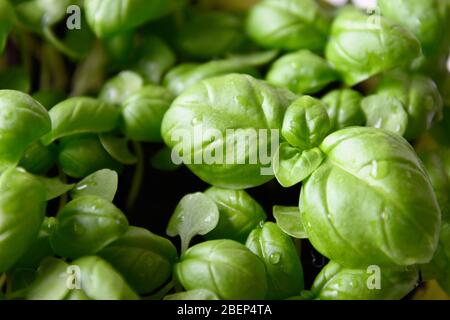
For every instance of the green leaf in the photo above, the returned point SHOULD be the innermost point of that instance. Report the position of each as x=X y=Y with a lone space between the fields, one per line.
x=209 y=34
x=239 y=214
x=143 y=111
x=302 y=72
x=283 y=24
x=86 y=225
x=362 y=46
x=197 y=294
x=195 y=214
x=39 y=159
x=22 y=205
x=336 y=282
x=120 y=87
x=55 y=187
x=225 y=267
x=109 y=17
x=292 y=165
x=23 y=121
x=117 y=148
x=306 y=123
x=51 y=282
x=155 y=59
x=344 y=108
x=100 y=281
x=40 y=248
x=81 y=115
x=385 y=112
x=283 y=267
x=186 y=75
x=144 y=259
x=102 y=183
x=289 y=220
x=81 y=155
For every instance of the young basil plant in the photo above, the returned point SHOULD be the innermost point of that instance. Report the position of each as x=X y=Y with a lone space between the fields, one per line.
x=344 y=108
x=282 y=24
x=81 y=115
x=289 y=220
x=224 y=267
x=361 y=46
x=305 y=125
x=86 y=225
x=215 y=105
x=102 y=183
x=20 y=220
x=144 y=259
x=210 y=34
x=283 y=267
x=143 y=111
x=186 y=75
x=23 y=121
x=302 y=72
x=336 y=282
x=195 y=214
x=239 y=214
x=373 y=178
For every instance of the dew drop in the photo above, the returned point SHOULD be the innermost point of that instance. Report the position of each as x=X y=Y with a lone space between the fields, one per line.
x=274 y=258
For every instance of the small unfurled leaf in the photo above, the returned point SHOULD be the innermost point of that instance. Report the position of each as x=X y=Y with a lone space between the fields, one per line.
x=385 y=112
x=289 y=220
x=306 y=123
x=197 y=294
x=196 y=214
x=102 y=183
x=292 y=165
x=117 y=148
x=55 y=187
